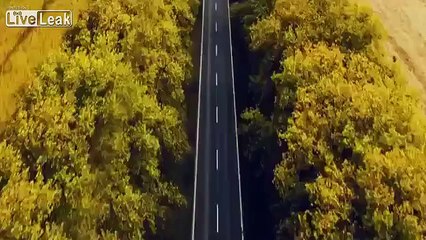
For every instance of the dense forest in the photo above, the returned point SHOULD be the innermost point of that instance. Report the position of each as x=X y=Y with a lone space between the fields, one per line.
x=332 y=138
x=83 y=156
x=330 y=123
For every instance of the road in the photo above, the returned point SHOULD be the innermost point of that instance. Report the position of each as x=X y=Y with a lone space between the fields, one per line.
x=217 y=207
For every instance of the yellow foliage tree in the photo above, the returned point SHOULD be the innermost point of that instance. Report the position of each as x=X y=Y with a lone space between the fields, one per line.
x=82 y=156
x=352 y=133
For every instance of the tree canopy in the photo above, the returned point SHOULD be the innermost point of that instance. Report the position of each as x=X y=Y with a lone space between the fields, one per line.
x=350 y=130
x=82 y=157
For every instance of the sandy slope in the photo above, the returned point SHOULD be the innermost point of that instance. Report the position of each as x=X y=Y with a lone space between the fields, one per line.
x=405 y=21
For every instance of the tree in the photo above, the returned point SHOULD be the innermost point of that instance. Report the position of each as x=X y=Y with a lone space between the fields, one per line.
x=350 y=126
x=354 y=132
x=82 y=157
x=294 y=23
x=25 y=205
x=258 y=138
x=153 y=35
x=91 y=131
x=251 y=11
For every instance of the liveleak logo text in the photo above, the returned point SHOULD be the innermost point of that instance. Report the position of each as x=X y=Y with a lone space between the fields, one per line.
x=39 y=18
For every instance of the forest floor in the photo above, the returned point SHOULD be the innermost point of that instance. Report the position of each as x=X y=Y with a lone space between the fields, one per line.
x=405 y=22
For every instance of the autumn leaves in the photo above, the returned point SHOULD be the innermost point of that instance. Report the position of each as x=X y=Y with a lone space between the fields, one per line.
x=81 y=158
x=350 y=130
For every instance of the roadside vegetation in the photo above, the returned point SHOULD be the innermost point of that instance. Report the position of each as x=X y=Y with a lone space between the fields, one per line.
x=22 y=49
x=83 y=154
x=345 y=130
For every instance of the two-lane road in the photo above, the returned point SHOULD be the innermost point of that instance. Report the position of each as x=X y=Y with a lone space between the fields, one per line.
x=217 y=210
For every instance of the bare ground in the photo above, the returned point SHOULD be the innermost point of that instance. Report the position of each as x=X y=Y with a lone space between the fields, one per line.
x=405 y=22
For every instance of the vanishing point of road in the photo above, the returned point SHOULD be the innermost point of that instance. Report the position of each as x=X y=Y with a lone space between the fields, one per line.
x=217 y=207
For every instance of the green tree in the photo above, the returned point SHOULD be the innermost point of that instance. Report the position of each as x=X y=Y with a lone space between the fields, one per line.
x=258 y=136
x=251 y=11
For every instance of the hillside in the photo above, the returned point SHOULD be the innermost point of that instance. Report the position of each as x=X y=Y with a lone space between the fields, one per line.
x=405 y=23
x=21 y=49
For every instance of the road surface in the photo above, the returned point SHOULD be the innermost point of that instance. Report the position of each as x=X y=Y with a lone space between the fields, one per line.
x=217 y=210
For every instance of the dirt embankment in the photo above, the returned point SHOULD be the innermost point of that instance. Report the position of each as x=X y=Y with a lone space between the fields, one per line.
x=405 y=22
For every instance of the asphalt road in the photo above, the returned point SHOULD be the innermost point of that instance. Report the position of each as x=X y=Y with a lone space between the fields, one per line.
x=217 y=206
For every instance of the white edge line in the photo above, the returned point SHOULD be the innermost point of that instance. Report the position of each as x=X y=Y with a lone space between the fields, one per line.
x=217 y=217
x=198 y=121
x=235 y=119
